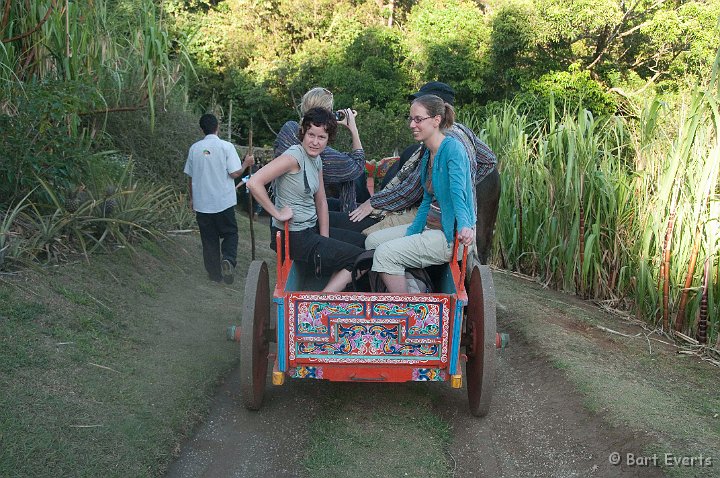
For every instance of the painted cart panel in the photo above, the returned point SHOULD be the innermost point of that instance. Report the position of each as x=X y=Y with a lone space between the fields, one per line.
x=367 y=328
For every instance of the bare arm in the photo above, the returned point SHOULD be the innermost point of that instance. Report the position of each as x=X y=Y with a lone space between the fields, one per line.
x=274 y=169
x=349 y=122
x=247 y=162
x=321 y=209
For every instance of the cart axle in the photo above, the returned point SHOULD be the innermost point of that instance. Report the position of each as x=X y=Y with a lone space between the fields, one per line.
x=233 y=333
x=502 y=340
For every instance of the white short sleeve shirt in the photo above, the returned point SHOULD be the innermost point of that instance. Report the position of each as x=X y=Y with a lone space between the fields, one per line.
x=209 y=163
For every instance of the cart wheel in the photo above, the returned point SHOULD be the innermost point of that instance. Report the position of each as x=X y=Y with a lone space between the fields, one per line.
x=481 y=329
x=254 y=342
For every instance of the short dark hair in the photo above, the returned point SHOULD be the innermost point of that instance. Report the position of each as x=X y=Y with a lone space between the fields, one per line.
x=209 y=123
x=319 y=117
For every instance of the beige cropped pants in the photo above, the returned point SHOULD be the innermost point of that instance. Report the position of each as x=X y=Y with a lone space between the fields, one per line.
x=394 y=251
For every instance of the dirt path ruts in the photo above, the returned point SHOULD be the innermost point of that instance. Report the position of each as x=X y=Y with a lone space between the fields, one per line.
x=537 y=426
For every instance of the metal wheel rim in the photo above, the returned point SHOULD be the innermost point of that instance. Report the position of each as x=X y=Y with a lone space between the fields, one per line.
x=254 y=345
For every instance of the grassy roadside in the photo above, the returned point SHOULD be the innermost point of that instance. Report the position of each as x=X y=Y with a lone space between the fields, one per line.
x=634 y=380
x=106 y=366
x=401 y=437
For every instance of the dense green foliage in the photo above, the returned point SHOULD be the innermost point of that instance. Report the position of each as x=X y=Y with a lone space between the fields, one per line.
x=265 y=55
x=79 y=83
x=44 y=137
x=63 y=69
x=136 y=55
x=597 y=205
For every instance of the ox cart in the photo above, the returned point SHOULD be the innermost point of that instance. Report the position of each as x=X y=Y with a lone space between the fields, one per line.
x=366 y=336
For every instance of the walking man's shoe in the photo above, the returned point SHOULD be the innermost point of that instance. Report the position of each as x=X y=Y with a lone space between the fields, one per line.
x=228 y=271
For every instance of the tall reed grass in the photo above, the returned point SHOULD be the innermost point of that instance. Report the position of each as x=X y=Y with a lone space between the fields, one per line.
x=83 y=41
x=109 y=216
x=624 y=210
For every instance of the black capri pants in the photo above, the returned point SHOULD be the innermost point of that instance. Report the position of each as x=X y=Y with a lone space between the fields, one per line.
x=325 y=255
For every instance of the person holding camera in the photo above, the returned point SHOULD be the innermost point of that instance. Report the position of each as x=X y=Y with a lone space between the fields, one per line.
x=341 y=169
x=300 y=200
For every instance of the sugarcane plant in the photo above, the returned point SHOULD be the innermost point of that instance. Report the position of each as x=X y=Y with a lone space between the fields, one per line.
x=617 y=209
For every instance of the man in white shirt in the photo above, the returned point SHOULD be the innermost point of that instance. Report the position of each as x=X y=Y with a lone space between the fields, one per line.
x=212 y=164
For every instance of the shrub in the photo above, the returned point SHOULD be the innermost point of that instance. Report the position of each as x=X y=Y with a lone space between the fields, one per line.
x=158 y=153
x=569 y=89
x=44 y=137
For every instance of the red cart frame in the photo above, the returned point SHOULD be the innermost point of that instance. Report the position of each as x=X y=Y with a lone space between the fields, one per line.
x=370 y=337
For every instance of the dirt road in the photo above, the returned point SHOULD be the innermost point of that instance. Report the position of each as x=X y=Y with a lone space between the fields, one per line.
x=539 y=423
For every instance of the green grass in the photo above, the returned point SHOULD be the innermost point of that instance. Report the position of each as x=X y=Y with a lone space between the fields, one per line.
x=351 y=436
x=106 y=366
x=148 y=289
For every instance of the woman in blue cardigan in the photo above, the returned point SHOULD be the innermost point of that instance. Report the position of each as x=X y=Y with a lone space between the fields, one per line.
x=447 y=204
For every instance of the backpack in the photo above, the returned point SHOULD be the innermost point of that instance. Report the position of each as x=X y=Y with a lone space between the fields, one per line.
x=418 y=280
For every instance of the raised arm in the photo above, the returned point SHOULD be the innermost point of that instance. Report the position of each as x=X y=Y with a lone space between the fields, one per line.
x=247 y=162
x=349 y=123
x=339 y=167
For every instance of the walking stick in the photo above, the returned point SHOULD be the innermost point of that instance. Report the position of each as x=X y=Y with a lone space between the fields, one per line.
x=251 y=213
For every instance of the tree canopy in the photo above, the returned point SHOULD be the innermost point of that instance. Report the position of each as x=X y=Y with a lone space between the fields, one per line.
x=265 y=54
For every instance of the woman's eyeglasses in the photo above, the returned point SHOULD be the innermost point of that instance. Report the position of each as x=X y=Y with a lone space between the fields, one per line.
x=417 y=119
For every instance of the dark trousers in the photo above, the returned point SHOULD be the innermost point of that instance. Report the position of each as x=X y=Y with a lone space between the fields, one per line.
x=341 y=220
x=325 y=255
x=219 y=235
x=487 y=194
x=334 y=204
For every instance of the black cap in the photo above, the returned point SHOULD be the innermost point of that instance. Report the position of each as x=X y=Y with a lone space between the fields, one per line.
x=436 y=88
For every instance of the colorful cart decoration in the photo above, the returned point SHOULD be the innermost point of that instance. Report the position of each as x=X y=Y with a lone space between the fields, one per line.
x=369 y=337
x=376 y=171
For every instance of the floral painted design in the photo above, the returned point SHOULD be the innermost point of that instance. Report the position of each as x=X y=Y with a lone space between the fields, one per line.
x=306 y=372
x=368 y=340
x=429 y=375
x=423 y=319
x=313 y=317
x=345 y=328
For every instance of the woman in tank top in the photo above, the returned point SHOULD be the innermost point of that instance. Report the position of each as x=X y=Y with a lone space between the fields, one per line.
x=300 y=199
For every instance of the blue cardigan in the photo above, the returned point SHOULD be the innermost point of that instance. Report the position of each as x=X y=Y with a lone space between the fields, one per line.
x=453 y=189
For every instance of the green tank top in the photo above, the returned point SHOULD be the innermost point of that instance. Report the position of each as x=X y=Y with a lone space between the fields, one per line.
x=291 y=190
